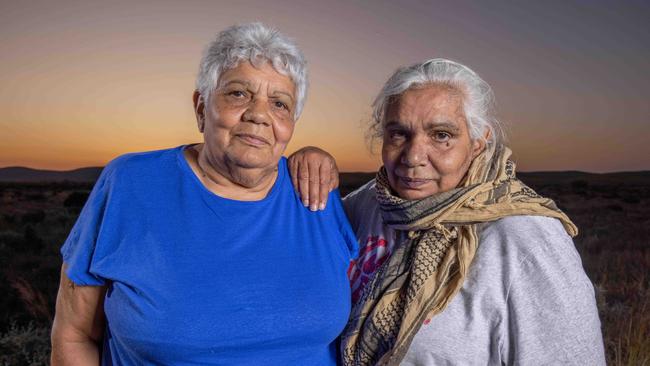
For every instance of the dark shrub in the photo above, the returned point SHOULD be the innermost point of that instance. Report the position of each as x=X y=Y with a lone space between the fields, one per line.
x=614 y=208
x=38 y=196
x=579 y=186
x=33 y=217
x=631 y=198
x=10 y=219
x=33 y=242
x=25 y=345
x=76 y=199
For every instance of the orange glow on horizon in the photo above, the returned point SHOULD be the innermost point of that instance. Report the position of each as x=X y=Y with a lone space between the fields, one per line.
x=85 y=82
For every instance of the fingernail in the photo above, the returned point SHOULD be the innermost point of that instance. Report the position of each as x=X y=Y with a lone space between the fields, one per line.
x=312 y=208
x=305 y=203
x=322 y=206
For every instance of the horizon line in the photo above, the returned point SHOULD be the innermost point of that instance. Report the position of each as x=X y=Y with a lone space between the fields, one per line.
x=348 y=172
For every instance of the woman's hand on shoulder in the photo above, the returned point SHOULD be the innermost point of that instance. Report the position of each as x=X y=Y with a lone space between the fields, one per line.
x=314 y=175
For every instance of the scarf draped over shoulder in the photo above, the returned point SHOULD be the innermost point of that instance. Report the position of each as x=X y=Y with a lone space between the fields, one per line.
x=438 y=240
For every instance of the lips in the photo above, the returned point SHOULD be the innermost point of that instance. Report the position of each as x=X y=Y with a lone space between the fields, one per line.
x=253 y=140
x=413 y=183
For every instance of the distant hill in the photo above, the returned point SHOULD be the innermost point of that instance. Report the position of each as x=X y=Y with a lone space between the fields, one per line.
x=22 y=174
x=351 y=181
x=639 y=178
x=348 y=180
x=560 y=177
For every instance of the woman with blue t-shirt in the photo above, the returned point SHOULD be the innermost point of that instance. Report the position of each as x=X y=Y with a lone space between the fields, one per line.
x=204 y=254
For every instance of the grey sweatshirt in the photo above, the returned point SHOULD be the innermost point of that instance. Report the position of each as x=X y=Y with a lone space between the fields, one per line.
x=526 y=300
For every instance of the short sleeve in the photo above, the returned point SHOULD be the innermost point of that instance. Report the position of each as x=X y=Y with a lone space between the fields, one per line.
x=343 y=224
x=552 y=316
x=78 y=251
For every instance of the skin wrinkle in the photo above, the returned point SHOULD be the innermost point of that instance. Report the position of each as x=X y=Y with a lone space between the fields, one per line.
x=247 y=123
x=250 y=87
x=427 y=147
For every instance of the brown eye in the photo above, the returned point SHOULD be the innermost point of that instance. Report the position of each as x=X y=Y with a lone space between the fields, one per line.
x=396 y=136
x=280 y=105
x=237 y=97
x=441 y=136
x=237 y=94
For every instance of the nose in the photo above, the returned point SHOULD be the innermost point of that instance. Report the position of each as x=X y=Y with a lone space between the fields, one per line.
x=414 y=154
x=257 y=112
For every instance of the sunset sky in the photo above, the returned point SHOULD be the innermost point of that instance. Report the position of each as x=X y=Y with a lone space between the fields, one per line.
x=82 y=82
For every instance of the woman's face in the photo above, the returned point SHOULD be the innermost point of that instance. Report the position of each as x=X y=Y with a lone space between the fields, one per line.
x=427 y=147
x=248 y=119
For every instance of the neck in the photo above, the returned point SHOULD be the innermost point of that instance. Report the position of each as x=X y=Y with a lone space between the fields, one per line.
x=228 y=180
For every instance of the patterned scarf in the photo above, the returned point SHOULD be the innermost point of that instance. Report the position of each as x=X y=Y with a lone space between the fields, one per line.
x=427 y=269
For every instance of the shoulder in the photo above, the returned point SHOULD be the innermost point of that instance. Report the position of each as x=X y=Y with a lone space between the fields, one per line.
x=361 y=196
x=527 y=249
x=550 y=300
x=530 y=253
x=525 y=225
x=142 y=160
x=536 y=257
x=528 y=237
x=140 y=165
x=360 y=202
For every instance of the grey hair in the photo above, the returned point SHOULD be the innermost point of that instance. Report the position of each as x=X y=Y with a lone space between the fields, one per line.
x=256 y=43
x=478 y=98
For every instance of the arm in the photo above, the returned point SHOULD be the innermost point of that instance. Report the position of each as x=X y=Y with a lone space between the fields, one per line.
x=78 y=323
x=314 y=174
x=552 y=314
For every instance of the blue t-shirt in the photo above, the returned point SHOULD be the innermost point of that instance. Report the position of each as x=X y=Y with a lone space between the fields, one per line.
x=195 y=279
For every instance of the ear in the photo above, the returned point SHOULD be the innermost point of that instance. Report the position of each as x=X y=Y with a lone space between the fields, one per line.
x=199 y=109
x=478 y=145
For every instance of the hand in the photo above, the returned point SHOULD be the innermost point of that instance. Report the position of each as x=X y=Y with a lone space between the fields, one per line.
x=314 y=175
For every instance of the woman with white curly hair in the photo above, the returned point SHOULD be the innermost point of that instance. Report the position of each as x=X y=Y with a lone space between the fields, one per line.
x=204 y=254
x=460 y=263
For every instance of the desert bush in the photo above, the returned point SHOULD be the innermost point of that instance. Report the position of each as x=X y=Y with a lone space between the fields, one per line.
x=630 y=198
x=36 y=196
x=614 y=244
x=32 y=241
x=11 y=240
x=626 y=325
x=25 y=345
x=615 y=207
x=10 y=219
x=33 y=217
x=34 y=301
x=579 y=186
x=76 y=199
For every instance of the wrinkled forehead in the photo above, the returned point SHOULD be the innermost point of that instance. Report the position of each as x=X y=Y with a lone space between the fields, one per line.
x=250 y=75
x=425 y=103
x=257 y=62
x=430 y=92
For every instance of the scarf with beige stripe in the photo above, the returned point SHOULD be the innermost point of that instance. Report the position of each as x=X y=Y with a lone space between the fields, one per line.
x=439 y=238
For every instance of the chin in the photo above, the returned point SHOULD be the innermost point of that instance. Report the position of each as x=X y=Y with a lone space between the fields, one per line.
x=248 y=162
x=414 y=193
x=411 y=194
x=252 y=158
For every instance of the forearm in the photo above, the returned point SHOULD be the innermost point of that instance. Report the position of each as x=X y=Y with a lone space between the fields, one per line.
x=73 y=352
x=79 y=324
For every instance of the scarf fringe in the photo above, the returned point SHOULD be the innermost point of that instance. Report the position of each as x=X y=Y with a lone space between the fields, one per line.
x=428 y=269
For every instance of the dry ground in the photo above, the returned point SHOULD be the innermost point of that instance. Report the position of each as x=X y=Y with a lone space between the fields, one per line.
x=612 y=212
